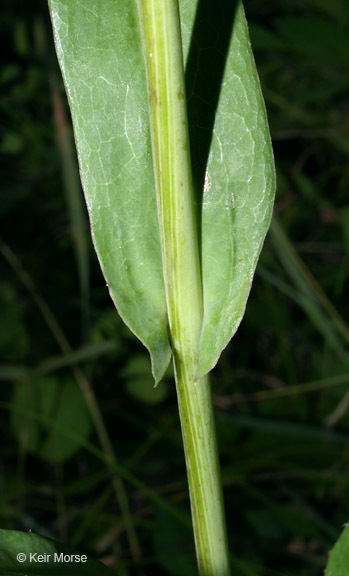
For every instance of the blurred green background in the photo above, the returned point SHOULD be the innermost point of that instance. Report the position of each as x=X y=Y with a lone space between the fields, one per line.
x=280 y=388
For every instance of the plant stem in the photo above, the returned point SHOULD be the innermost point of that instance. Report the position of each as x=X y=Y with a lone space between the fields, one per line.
x=171 y=154
x=201 y=454
x=182 y=276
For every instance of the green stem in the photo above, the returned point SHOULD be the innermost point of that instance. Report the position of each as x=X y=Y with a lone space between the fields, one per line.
x=201 y=454
x=170 y=140
x=182 y=276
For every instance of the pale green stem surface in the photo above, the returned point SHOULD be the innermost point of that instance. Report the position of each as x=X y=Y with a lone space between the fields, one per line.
x=205 y=485
x=182 y=276
x=170 y=140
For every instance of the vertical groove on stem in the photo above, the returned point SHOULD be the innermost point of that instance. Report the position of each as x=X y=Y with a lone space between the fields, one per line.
x=204 y=477
x=172 y=167
x=182 y=276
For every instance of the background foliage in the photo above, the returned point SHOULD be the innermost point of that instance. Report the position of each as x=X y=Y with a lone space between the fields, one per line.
x=280 y=387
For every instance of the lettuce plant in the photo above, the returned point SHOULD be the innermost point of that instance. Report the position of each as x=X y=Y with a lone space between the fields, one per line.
x=179 y=182
x=179 y=202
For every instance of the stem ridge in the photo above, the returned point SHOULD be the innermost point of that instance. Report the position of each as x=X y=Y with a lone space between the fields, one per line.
x=182 y=276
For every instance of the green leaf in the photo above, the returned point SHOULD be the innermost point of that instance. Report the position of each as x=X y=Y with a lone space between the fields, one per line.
x=62 y=403
x=100 y=53
x=139 y=383
x=52 y=562
x=99 y=49
x=232 y=156
x=338 y=564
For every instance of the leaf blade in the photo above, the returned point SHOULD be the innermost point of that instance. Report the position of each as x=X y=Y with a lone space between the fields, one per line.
x=338 y=563
x=99 y=50
x=237 y=196
x=239 y=184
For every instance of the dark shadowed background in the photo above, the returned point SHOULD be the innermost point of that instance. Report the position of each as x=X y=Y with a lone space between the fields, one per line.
x=281 y=388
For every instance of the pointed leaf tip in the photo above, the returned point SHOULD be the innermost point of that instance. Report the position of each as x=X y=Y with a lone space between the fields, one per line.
x=100 y=54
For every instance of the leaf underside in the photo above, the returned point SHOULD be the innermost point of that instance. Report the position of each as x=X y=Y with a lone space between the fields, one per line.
x=99 y=49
